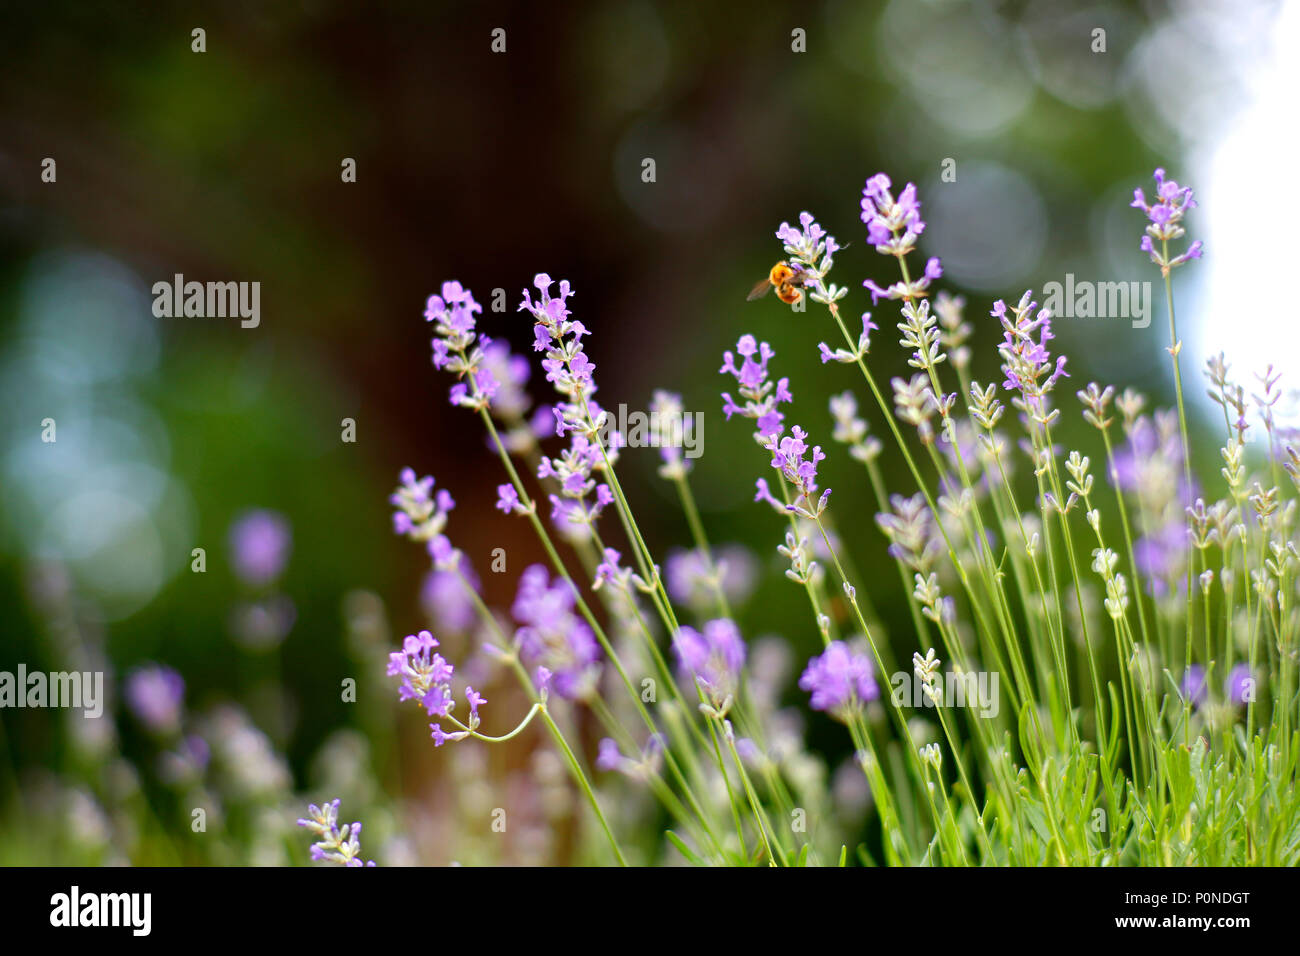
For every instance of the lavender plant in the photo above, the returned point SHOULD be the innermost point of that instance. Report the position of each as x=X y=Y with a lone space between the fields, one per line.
x=1098 y=675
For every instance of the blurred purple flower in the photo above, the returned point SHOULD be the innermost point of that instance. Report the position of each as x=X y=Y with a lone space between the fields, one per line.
x=687 y=575
x=155 y=694
x=839 y=679
x=444 y=599
x=260 y=542
x=1240 y=685
x=714 y=657
x=1194 y=688
x=553 y=641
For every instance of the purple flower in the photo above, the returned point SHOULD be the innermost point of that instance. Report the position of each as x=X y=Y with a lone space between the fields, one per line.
x=426 y=676
x=509 y=374
x=893 y=225
x=1194 y=687
x=1161 y=556
x=457 y=348
x=762 y=397
x=566 y=365
x=1165 y=217
x=1240 y=685
x=421 y=514
x=608 y=756
x=260 y=542
x=839 y=680
x=687 y=574
x=788 y=457
x=551 y=637
x=572 y=469
x=713 y=657
x=474 y=699
x=809 y=242
x=341 y=845
x=155 y=694
x=811 y=250
x=914 y=289
x=508 y=500
x=443 y=597
x=1027 y=365
x=611 y=572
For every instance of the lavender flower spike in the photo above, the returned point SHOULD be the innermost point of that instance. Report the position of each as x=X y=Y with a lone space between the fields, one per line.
x=458 y=348
x=811 y=250
x=426 y=676
x=893 y=226
x=1165 y=217
x=421 y=514
x=762 y=397
x=788 y=457
x=341 y=845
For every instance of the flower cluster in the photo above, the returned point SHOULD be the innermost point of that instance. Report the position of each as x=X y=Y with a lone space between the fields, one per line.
x=1027 y=365
x=566 y=364
x=811 y=250
x=1165 y=217
x=797 y=464
x=570 y=370
x=572 y=469
x=341 y=845
x=426 y=679
x=839 y=680
x=553 y=641
x=421 y=514
x=458 y=348
x=762 y=396
x=893 y=226
x=714 y=657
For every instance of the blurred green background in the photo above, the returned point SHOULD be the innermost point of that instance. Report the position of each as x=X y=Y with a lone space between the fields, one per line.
x=486 y=168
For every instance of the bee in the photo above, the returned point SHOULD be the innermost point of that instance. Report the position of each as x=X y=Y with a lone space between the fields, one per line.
x=785 y=278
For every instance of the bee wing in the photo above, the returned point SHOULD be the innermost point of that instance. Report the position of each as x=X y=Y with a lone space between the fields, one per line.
x=760 y=289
